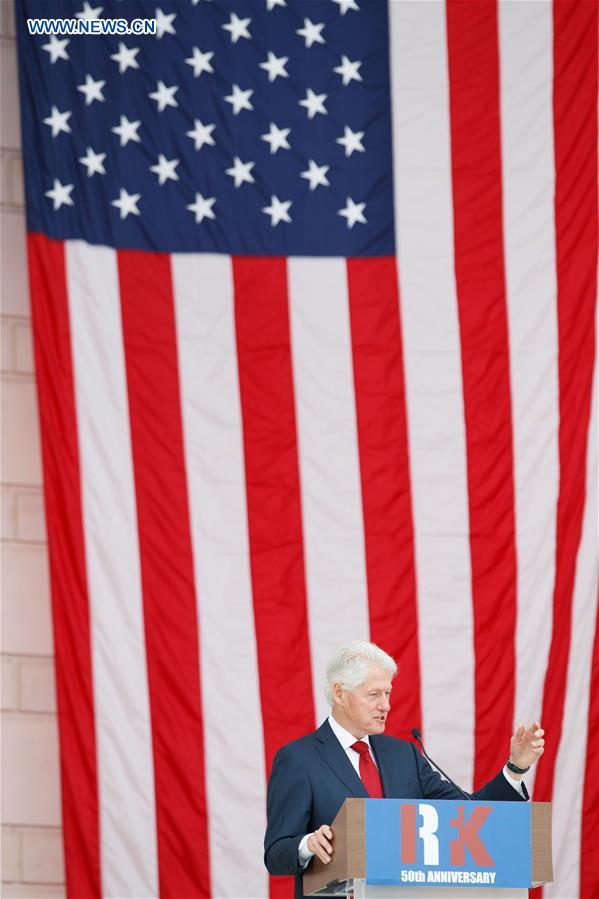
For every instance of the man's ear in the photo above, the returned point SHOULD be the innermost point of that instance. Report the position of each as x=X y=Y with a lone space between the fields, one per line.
x=338 y=696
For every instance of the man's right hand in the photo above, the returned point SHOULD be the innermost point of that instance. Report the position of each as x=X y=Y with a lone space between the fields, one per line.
x=321 y=843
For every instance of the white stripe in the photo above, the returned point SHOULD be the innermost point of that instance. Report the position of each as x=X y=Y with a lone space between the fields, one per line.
x=570 y=762
x=526 y=52
x=328 y=461
x=235 y=766
x=125 y=768
x=429 y=314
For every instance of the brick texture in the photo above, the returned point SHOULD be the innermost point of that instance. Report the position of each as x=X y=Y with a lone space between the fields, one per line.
x=13 y=274
x=26 y=621
x=32 y=854
x=41 y=857
x=21 y=457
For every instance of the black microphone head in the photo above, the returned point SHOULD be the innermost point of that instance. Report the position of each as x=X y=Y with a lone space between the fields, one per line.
x=416 y=734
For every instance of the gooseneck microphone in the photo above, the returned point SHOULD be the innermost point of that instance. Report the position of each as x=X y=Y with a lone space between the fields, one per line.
x=418 y=738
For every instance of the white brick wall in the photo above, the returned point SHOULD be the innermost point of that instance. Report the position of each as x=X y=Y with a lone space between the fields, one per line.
x=32 y=856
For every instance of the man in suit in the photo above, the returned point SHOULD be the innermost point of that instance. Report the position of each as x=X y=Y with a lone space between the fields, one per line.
x=349 y=755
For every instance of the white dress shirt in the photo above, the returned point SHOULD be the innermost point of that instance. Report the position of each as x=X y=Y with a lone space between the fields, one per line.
x=346 y=739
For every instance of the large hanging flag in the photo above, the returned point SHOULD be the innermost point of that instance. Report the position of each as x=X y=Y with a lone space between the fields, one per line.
x=314 y=291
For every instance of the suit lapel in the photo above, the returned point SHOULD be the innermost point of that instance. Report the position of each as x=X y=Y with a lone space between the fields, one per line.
x=336 y=758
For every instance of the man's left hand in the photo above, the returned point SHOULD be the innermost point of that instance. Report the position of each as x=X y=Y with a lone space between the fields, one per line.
x=527 y=745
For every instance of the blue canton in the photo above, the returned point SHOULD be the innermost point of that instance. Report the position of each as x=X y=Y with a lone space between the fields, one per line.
x=246 y=127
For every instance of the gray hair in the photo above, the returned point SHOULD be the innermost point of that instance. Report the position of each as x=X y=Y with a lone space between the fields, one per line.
x=349 y=666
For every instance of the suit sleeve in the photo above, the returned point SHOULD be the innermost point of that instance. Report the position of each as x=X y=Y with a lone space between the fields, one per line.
x=288 y=810
x=434 y=787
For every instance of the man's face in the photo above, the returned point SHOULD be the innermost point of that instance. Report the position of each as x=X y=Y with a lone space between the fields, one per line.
x=364 y=710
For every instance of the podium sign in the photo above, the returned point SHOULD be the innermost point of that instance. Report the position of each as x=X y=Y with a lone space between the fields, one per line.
x=453 y=843
x=419 y=848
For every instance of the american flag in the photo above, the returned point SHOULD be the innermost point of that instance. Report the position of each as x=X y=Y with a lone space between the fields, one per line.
x=314 y=297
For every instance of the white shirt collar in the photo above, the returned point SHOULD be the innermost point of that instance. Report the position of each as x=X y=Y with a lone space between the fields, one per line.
x=345 y=738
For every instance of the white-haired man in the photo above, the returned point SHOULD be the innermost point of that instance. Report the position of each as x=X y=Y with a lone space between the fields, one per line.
x=349 y=755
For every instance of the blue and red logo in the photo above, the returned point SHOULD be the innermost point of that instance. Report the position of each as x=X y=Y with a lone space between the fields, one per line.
x=451 y=842
x=467 y=838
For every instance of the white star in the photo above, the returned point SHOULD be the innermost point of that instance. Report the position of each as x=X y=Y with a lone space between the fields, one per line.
x=164 y=96
x=94 y=162
x=353 y=212
x=351 y=140
x=126 y=57
x=348 y=70
x=127 y=203
x=239 y=99
x=344 y=5
x=164 y=23
x=165 y=169
x=311 y=32
x=270 y=4
x=240 y=171
x=88 y=13
x=60 y=194
x=316 y=174
x=200 y=62
x=275 y=66
x=278 y=210
x=127 y=131
x=237 y=27
x=58 y=121
x=92 y=90
x=56 y=47
x=202 y=208
x=314 y=103
x=277 y=138
x=201 y=134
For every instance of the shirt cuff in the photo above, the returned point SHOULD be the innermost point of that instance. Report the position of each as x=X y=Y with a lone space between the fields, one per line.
x=516 y=784
x=303 y=853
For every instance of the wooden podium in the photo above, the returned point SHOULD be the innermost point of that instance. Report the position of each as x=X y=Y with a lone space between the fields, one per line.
x=381 y=849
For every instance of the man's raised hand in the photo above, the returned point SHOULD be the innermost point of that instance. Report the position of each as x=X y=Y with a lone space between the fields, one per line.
x=527 y=745
x=320 y=843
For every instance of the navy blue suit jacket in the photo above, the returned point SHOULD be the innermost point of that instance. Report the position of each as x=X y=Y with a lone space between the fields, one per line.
x=311 y=778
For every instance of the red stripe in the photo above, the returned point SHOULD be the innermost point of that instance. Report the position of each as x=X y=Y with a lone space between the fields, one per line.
x=589 y=848
x=170 y=616
x=575 y=126
x=480 y=280
x=273 y=504
x=385 y=472
x=70 y=602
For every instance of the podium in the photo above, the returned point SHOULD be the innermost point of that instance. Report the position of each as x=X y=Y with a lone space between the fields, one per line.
x=416 y=849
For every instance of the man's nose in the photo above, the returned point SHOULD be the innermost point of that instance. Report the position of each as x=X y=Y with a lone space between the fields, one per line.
x=384 y=704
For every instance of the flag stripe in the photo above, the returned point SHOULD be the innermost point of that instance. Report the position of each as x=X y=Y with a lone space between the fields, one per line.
x=273 y=505
x=70 y=604
x=234 y=758
x=171 y=627
x=589 y=857
x=429 y=319
x=273 y=498
x=570 y=760
x=385 y=477
x=531 y=290
x=329 y=460
x=476 y=170
x=575 y=124
x=124 y=739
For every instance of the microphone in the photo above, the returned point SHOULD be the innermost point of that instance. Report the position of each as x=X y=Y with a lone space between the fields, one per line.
x=418 y=738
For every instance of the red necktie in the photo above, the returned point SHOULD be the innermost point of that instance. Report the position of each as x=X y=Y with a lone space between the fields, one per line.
x=369 y=773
